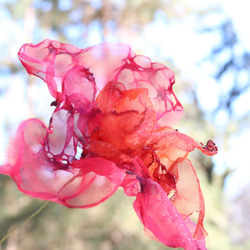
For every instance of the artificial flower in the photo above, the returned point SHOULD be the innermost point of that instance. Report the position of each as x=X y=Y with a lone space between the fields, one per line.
x=111 y=127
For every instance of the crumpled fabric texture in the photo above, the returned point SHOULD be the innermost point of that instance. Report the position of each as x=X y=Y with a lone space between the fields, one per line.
x=111 y=127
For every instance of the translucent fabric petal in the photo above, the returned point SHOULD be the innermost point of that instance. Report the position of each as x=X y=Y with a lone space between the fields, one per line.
x=118 y=63
x=82 y=183
x=51 y=61
x=170 y=145
x=61 y=142
x=168 y=137
x=188 y=198
x=129 y=117
x=79 y=87
x=99 y=179
x=109 y=57
x=159 y=216
x=139 y=72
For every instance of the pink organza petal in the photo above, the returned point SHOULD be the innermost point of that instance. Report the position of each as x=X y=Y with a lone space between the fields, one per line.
x=79 y=87
x=5 y=169
x=30 y=166
x=119 y=64
x=99 y=179
x=31 y=132
x=159 y=216
x=83 y=183
x=140 y=72
x=188 y=197
x=131 y=185
x=169 y=145
x=62 y=143
x=50 y=60
x=103 y=60
x=170 y=138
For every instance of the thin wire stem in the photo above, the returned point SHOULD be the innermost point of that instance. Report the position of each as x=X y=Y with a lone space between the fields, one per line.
x=23 y=222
